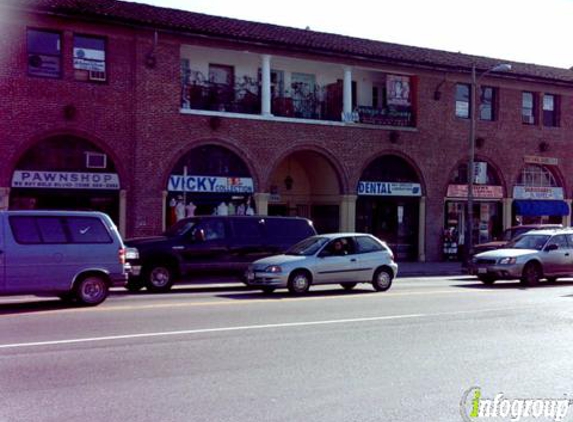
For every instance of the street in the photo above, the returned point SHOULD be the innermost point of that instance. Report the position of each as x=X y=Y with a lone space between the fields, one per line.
x=225 y=353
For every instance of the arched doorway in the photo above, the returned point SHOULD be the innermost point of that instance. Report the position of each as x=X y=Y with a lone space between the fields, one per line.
x=209 y=180
x=305 y=184
x=538 y=197
x=388 y=204
x=488 y=193
x=66 y=173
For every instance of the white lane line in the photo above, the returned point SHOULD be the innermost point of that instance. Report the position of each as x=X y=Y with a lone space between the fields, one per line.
x=247 y=327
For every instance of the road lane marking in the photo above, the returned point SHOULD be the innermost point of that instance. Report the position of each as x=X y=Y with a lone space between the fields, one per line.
x=231 y=301
x=249 y=327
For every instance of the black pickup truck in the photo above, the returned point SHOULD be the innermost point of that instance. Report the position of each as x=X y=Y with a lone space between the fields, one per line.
x=210 y=245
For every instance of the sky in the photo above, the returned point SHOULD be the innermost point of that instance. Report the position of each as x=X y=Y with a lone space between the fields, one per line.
x=529 y=31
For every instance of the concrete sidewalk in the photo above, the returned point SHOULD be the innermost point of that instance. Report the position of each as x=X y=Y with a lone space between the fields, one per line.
x=412 y=269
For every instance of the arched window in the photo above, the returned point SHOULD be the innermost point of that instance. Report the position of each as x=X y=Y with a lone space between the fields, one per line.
x=460 y=176
x=533 y=175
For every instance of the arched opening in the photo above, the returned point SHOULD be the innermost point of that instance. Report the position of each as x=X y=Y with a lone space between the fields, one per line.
x=538 y=197
x=66 y=173
x=305 y=184
x=388 y=204
x=209 y=180
x=488 y=196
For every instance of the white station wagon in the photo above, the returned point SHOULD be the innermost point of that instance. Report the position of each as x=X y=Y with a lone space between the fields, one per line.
x=340 y=258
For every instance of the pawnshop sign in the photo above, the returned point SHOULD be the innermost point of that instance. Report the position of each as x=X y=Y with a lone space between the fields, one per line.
x=64 y=180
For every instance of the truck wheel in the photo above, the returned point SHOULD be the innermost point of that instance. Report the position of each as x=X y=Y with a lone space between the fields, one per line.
x=159 y=277
x=91 y=290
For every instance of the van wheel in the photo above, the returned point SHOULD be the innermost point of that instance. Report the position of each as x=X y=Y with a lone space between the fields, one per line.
x=382 y=280
x=299 y=282
x=159 y=278
x=348 y=286
x=91 y=290
x=531 y=274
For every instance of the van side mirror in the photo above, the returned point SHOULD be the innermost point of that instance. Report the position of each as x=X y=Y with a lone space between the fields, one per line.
x=551 y=247
x=199 y=235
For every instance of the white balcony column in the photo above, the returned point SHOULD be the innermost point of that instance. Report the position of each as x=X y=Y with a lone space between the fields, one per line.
x=266 y=85
x=347 y=92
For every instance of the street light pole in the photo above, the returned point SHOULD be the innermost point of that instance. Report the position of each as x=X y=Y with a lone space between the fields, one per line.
x=471 y=172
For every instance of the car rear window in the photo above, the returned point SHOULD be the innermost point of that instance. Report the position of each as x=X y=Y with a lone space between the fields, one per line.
x=87 y=230
x=365 y=244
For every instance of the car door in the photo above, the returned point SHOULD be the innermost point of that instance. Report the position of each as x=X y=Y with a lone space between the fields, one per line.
x=205 y=247
x=248 y=241
x=556 y=261
x=335 y=266
x=369 y=256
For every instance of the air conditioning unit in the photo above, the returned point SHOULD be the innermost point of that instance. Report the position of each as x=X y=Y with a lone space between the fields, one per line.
x=96 y=75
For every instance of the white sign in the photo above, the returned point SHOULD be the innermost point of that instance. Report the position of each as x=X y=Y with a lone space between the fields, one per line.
x=64 y=180
x=534 y=159
x=389 y=189
x=179 y=183
x=537 y=192
x=480 y=191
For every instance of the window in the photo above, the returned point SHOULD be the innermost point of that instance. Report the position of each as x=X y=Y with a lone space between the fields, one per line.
x=528 y=108
x=89 y=58
x=533 y=175
x=87 y=230
x=52 y=230
x=463 y=101
x=487 y=103
x=550 y=110
x=25 y=230
x=44 y=53
x=248 y=228
x=366 y=244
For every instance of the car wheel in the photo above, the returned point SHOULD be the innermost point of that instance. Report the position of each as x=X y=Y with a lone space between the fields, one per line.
x=159 y=278
x=299 y=282
x=91 y=290
x=487 y=280
x=531 y=274
x=267 y=290
x=382 y=280
x=348 y=286
x=134 y=285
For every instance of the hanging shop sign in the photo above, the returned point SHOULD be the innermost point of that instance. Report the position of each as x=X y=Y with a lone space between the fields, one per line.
x=537 y=192
x=535 y=159
x=179 y=183
x=64 y=180
x=389 y=189
x=480 y=191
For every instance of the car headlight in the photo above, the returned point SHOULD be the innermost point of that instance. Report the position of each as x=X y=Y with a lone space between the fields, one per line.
x=507 y=261
x=273 y=269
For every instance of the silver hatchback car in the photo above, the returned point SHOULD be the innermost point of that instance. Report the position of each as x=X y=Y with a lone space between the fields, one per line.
x=340 y=258
x=530 y=257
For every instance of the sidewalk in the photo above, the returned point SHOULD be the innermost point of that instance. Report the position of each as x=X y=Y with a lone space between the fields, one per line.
x=412 y=269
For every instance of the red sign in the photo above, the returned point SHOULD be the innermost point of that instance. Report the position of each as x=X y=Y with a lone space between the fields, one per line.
x=480 y=191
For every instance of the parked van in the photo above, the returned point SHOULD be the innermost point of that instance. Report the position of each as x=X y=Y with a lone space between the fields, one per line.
x=71 y=254
x=209 y=245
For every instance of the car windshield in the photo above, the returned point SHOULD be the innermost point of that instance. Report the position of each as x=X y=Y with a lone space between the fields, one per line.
x=308 y=246
x=179 y=228
x=529 y=241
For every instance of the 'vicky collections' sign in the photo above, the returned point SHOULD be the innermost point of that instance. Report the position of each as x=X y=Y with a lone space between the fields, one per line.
x=179 y=183
x=64 y=180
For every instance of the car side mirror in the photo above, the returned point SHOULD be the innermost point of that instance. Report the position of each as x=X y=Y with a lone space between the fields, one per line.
x=199 y=235
x=551 y=247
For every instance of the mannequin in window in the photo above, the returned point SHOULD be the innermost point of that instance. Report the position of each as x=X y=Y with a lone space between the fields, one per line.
x=222 y=209
x=190 y=209
x=180 y=208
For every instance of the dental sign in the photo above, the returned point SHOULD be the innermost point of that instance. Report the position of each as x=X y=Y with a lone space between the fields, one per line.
x=178 y=183
x=64 y=180
x=389 y=189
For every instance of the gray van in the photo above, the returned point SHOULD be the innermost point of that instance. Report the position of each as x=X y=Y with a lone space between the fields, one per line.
x=75 y=255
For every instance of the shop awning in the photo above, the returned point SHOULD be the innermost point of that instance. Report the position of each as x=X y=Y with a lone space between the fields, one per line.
x=541 y=207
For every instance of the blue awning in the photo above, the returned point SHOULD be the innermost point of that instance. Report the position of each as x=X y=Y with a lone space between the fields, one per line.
x=538 y=208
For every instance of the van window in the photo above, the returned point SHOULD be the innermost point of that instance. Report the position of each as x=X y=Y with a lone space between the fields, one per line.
x=51 y=229
x=87 y=230
x=213 y=229
x=247 y=228
x=25 y=230
x=284 y=228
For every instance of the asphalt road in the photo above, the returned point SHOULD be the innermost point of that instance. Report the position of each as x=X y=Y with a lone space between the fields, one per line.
x=223 y=353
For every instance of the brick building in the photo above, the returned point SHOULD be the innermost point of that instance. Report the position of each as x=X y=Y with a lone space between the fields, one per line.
x=150 y=114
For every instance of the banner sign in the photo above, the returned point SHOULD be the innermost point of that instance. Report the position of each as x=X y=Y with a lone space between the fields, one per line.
x=480 y=191
x=389 y=189
x=179 y=183
x=537 y=192
x=534 y=159
x=64 y=180
x=398 y=90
